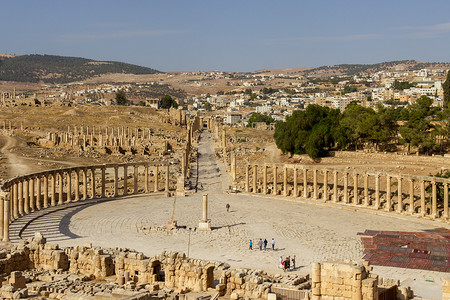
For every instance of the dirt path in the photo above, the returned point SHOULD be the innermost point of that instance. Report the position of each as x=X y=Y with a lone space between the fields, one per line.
x=15 y=165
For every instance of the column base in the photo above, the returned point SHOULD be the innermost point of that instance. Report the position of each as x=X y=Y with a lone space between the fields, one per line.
x=204 y=226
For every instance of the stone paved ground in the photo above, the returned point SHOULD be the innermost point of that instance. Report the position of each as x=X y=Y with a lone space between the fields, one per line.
x=311 y=231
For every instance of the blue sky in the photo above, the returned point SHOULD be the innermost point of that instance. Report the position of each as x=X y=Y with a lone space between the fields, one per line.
x=190 y=35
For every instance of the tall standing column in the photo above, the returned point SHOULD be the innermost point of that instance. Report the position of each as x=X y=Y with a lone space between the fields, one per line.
x=366 y=190
x=433 y=200
x=77 y=185
x=355 y=189
x=125 y=179
x=445 y=214
x=264 y=179
x=411 y=196
x=255 y=178
x=377 y=191
x=85 y=193
x=285 y=185
x=167 y=179
x=53 y=200
x=205 y=208
x=305 y=183
x=38 y=192
x=388 y=194
x=69 y=186
x=345 y=187
x=16 y=201
x=295 y=183
x=325 y=185
x=45 y=190
x=423 y=209
x=60 y=188
x=156 y=179
x=26 y=194
x=93 y=183
x=2 y=214
x=116 y=181
x=315 y=189
x=6 y=217
x=233 y=167
x=247 y=187
x=20 y=195
x=146 y=179
x=103 y=191
x=32 y=199
x=335 y=186
x=275 y=181
x=135 y=179
x=400 y=196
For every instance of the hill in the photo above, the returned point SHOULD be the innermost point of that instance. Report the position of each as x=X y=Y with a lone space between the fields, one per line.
x=355 y=69
x=61 y=69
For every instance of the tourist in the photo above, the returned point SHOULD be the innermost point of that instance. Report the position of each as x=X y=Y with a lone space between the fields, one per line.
x=228 y=207
x=265 y=244
x=251 y=245
x=260 y=244
x=273 y=244
x=288 y=263
x=293 y=262
x=281 y=262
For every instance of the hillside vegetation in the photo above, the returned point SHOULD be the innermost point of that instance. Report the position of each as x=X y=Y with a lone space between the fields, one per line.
x=61 y=69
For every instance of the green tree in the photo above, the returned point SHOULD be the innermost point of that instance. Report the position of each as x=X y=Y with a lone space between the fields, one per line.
x=446 y=87
x=121 y=97
x=167 y=102
x=207 y=106
x=258 y=117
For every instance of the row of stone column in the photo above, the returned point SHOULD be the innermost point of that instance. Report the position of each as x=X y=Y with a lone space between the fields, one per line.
x=34 y=192
x=349 y=192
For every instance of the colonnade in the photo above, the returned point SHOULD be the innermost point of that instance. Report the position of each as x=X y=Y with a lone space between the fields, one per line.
x=405 y=194
x=25 y=194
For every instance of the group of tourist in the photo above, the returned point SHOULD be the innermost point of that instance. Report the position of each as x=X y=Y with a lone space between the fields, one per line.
x=287 y=263
x=262 y=244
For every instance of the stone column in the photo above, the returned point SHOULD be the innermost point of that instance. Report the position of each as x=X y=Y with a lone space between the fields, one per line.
x=38 y=192
x=77 y=185
x=135 y=179
x=205 y=208
x=53 y=200
x=6 y=217
x=2 y=214
x=316 y=281
x=433 y=200
x=85 y=193
x=388 y=194
x=15 y=201
x=423 y=210
x=125 y=179
x=93 y=183
x=45 y=190
x=233 y=167
x=411 y=196
x=325 y=185
x=156 y=179
x=315 y=189
x=335 y=186
x=264 y=179
x=116 y=181
x=32 y=199
x=355 y=189
x=255 y=177
x=377 y=191
x=295 y=194
x=167 y=179
x=345 y=187
x=103 y=192
x=400 y=196
x=247 y=181
x=285 y=185
x=69 y=186
x=366 y=189
x=445 y=214
x=275 y=181
x=21 y=200
x=26 y=194
x=305 y=183
x=60 y=188
x=146 y=179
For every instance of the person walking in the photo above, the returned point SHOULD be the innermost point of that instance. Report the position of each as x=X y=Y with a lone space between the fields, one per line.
x=293 y=262
x=273 y=244
x=228 y=207
x=265 y=244
x=281 y=262
x=260 y=244
x=251 y=245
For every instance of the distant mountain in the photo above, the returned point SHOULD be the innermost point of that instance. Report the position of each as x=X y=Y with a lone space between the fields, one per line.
x=61 y=69
x=355 y=69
